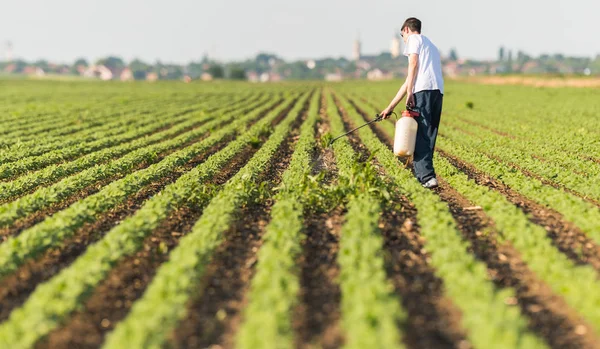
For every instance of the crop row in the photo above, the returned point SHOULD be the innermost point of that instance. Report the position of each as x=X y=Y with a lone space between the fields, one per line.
x=53 y=230
x=53 y=128
x=583 y=214
x=581 y=178
x=108 y=129
x=489 y=321
x=52 y=173
x=366 y=292
x=276 y=277
x=69 y=186
x=162 y=306
x=15 y=168
x=26 y=325
x=578 y=284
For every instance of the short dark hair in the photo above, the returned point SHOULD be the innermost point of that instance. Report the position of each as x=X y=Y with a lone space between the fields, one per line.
x=413 y=24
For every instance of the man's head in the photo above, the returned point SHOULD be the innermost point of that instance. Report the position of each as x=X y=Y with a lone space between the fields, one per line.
x=411 y=26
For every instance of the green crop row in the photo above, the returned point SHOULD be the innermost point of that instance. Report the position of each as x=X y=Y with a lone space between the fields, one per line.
x=577 y=284
x=108 y=129
x=52 y=173
x=21 y=166
x=584 y=184
x=70 y=125
x=583 y=214
x=370 y=310
x=162 y=306
x=26 y=325
x=63 y=224
x=69 y=186
x=489 y=321
x=274 y=287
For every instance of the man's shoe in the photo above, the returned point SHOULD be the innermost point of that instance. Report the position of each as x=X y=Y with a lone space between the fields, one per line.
x=430 y=184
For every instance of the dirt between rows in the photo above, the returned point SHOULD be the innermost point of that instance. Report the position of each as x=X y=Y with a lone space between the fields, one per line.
x=549 y=316
x=528 y=173
x=433 y=320
x=40 y=215
x=317 y=314
x=214 y=314
x=112 y=299
x=566 y=236
x=15 y=288
x=36 y=217
x=108 y=160
x=67 y=159
x=548 y=313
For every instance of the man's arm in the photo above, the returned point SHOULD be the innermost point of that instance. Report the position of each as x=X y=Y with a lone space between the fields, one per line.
x=401 y=93
x=413 y=68
x=407 y=87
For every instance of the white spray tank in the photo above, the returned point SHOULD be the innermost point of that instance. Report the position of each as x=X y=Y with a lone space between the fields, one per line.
x=406 y=133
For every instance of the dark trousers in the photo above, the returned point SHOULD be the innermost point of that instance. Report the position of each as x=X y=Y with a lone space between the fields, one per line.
x=429 y=104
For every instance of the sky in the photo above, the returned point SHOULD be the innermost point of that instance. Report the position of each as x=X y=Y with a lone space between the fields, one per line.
x=180 y=31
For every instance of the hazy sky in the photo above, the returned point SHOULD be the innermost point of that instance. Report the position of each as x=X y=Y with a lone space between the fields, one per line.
x=182 y=30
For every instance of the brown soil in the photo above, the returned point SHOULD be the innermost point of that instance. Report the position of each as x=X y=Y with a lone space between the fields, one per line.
x=323 y=159
x=27 y=222
x=74 y=157
x=549 y=316
x=214 y=315
x=433 y=320
x=108 y=160
x=36 y=217
x=478 y=124
x=316 y=318
x=111 y=300
x=15 y=288
x=567 y=237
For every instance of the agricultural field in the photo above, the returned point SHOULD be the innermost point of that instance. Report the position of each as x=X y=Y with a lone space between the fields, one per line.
x=214 y=215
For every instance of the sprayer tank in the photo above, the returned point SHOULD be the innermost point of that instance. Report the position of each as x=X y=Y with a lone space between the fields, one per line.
x=406 y=135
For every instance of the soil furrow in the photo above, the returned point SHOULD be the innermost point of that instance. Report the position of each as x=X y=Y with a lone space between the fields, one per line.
x=15 y=288
x=485 y=127
x=214 y=315
x=317 y=316
x=75 y=157
x=433 y=320
x=108 y=160
x=548 y=314
x=567 y=237
x=112 y=299
x=36 y=217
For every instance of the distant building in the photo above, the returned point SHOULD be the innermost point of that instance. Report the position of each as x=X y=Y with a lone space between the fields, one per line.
x=356 y=54
x=151 y=77
x=126 y=75
x=334 y=77
x=395 y=47
x=99 y=72
x=379 y=74
x=206 y=77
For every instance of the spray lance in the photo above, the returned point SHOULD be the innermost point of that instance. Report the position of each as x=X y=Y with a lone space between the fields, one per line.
x=404 y=142
x=405 y=135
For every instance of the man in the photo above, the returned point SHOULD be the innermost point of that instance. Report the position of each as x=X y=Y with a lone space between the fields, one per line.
x=424 y=90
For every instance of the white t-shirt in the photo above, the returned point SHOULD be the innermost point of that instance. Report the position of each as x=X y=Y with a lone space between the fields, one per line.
x=429 y=74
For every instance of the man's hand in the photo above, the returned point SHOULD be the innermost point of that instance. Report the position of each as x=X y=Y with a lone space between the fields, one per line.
x=386 y=113
x=410 y=100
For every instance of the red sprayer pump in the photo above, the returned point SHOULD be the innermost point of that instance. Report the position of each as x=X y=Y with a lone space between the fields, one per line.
x=406 y=133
